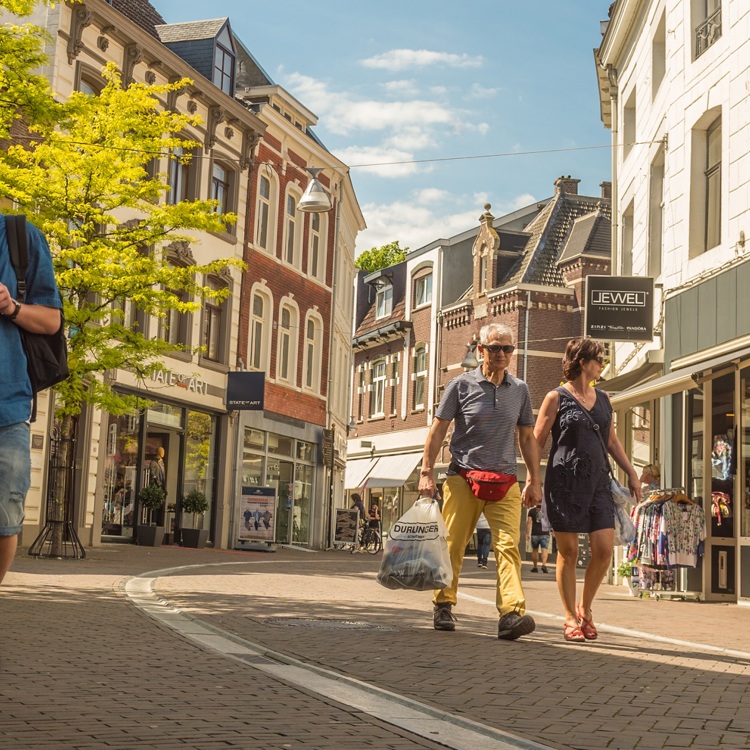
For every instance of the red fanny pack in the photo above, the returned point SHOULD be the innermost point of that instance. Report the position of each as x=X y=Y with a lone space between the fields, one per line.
x=488 y=485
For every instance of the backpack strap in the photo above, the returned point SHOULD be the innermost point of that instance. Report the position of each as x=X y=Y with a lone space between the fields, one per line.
x=18 y=245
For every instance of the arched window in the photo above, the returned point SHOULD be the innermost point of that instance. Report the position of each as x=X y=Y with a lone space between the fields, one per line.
x=260 y=329
x=420 y=375
x=316 y=251
x=292 y=232
x=286 y=357
x=422 y=290
x=264 y=230
x=377 y=394
x=174 y=328
x=384 y=300
x=313 y=352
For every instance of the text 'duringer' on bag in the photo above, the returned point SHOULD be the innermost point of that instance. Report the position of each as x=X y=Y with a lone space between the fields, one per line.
x=416 y=552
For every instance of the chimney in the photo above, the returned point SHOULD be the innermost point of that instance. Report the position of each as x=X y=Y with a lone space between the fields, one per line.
x=606 y=187
x=567 y=185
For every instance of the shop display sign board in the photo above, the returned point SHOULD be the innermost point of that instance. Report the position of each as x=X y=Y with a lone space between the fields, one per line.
x=619 y=308
x=246 y=391
x=327 y=448
x=256 y=520
x=346 y=526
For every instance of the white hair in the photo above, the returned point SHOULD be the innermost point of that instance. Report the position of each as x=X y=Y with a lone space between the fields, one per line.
x=498 y=329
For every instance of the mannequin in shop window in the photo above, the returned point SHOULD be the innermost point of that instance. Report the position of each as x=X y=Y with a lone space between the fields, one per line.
x=157 y=474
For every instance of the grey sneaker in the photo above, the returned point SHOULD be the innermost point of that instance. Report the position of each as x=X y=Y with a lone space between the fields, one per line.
x=513 y=625
x=443 y=618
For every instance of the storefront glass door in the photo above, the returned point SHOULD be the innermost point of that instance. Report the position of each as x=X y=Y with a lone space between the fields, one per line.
x=281 y=476
x=120 y=471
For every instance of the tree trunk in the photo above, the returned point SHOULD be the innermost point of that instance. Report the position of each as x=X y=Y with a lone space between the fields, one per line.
x=58 y=509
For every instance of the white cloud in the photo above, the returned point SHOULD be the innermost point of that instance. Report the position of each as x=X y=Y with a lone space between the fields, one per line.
x=401 y=88
x=427 y=217
x=478 y=91
x=355 y=156
x=403 y=59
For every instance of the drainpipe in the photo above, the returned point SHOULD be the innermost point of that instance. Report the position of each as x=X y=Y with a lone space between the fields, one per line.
x=526 y=335
x=614 y=100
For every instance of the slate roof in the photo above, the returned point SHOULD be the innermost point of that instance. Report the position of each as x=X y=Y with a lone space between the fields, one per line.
x=549 y=232
x=590 y=235
x=140 y=12
x=191 y=31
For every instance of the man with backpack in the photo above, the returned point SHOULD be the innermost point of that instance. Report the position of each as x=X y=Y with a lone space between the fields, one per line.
x=38 y=313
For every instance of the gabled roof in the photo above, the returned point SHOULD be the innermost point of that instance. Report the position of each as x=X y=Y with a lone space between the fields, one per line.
x=191 y=31
x=549 y=232
x=590 y=235
x=140 y=12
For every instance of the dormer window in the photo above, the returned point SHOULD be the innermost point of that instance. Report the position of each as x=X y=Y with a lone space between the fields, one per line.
x=384 y=300
x=224 y=62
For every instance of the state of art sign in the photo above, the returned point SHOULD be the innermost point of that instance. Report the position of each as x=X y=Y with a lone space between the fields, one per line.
x=246 y=391
x=619 y=308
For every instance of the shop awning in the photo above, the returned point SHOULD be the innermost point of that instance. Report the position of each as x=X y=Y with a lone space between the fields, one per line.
x=679 y=380
x=356 y=472
x=647 y=371
x=393 y=471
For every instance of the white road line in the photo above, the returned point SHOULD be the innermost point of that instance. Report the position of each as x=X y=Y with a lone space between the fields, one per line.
x=441 y=727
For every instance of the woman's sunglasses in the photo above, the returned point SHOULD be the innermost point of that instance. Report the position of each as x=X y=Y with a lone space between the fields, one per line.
x=495 y=348
x=600 y=359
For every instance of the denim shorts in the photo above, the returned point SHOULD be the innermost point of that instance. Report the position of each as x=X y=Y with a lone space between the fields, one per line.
x=15 y=476
x=542 y=540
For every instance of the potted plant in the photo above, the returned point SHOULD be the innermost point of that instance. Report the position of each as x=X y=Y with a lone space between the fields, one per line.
x=195 y=503
x=625 y=571
x=151 y=499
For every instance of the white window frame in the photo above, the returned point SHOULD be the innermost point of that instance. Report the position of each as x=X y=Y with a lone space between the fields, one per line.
x=265 y=212
x=384 y=300
x=377 y=392
x=288 y=338
x=259 y=334
x=423 y=290
x=420 y=376
x=292 y=231
x=317 y=245
x=313 y=353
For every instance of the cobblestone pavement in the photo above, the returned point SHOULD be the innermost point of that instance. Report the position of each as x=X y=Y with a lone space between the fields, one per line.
x=83 y=668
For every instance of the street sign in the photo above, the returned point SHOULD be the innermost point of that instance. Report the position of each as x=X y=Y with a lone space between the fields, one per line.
x=619 y=308
x=327 y=448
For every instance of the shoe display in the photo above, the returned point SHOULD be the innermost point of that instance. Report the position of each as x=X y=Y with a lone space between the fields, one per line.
x=513 y=625
x=535 y=569
x=443 y=618
x=544 y=569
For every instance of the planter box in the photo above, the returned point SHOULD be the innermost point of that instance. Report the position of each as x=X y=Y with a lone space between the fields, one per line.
x=150 y=536
x=195 y=538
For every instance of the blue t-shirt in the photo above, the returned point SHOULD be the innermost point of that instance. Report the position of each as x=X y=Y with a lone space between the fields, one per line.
x=41 y=289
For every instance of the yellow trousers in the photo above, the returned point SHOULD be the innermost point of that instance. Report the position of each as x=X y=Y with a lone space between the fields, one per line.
x=461 y=510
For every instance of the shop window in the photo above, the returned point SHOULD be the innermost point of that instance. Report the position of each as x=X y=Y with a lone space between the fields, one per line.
x=120 y=475
x=198 y=473
x=384 y=300
x=377 y=394
x=260 y=330
x=422 y=290
x=316 y=248
x=264 y=231
x=286 y=357
x=745 y=455
x=313 y=352
x=420 y=376
x=280 y=445
x=723 y=458
x=215 y=323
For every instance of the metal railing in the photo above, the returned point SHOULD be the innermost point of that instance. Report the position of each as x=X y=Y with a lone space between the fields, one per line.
x=708 y=32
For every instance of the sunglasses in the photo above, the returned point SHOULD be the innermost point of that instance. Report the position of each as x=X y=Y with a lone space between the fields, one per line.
x=600 y=359
x=495 y=348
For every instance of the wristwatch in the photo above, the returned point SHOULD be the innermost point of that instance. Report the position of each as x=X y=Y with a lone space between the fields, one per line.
x=14 y=314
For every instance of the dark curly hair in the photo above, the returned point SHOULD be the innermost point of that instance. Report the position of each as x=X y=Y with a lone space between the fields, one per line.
x=575 y=351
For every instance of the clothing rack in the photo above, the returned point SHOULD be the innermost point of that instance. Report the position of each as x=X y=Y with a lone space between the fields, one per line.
x=661 y=559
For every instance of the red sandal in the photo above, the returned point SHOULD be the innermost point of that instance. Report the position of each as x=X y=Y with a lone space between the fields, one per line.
x=590 y=633
x=573 y=633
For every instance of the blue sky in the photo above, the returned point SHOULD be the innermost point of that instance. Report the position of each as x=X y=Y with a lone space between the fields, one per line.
x=416 y=80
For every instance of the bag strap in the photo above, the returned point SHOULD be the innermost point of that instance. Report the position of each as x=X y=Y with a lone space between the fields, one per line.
x=18 y=245
x=594 y=426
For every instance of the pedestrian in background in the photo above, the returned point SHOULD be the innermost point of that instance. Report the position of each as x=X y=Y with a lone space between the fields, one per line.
x=39 y=313
x=488 y=406
x=537 y=537
x=484 y=537
x=577 y=496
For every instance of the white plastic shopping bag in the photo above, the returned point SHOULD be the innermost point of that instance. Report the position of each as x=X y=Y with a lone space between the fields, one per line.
x=416 y=552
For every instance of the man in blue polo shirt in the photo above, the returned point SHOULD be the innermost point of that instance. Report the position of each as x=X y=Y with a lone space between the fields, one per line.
x=487 y=406
x=39 y=313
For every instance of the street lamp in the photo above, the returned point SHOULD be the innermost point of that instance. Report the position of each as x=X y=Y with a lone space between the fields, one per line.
x=470 y=361
x=317 y=200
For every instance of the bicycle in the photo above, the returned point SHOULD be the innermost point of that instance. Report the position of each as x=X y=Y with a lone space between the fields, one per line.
x=370 y=540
